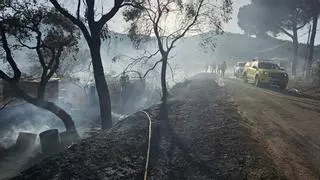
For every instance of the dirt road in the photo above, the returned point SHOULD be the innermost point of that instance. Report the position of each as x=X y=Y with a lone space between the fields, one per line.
x=287 y=126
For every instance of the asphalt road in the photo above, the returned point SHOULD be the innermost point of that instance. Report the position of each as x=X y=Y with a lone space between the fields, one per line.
x=287 y=126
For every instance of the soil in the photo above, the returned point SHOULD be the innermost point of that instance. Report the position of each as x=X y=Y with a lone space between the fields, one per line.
x=304 y=89
x=286 y=124
x=205 y=137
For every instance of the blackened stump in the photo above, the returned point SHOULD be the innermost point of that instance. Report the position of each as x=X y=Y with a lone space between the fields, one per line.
x=49 y=141
x=25 y=141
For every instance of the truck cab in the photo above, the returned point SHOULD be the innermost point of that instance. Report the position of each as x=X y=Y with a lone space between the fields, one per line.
x=265 y=72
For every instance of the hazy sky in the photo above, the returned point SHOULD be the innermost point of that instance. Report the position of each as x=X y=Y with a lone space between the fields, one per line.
x=118 y=24
x=232 y=26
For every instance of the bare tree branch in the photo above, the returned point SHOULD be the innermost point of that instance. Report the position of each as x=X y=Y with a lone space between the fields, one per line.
x=38 y=49
x=152 y=68
x=78 y=9
x=304 y=23
x=74 y=20
x=106 y=17
x=188 y=27
x=139 y=59
x=152 y=18
x=156 y=32
x=17 y=72
x=25 y=45
x=137 y=72
x=286 y=32
x=45 y=76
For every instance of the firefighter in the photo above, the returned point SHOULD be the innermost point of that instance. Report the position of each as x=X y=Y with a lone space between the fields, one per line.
x=223 y=68
x=124 y=81
x=213 y=68
x=206 y=68
x=124 y=93
x=92 y=94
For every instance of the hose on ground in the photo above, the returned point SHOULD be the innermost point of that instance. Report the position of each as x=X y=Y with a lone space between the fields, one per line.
x=149 y=144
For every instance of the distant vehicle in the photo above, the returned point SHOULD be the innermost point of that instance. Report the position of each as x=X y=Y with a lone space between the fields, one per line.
x=265 y=72
x=238 y=69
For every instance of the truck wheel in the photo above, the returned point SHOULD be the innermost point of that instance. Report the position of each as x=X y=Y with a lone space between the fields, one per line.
x=257 y=81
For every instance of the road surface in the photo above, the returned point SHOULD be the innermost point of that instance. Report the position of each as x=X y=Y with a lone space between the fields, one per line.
x=287 y=126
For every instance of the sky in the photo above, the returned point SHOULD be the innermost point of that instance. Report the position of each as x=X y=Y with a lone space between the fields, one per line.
x=231 y=26
x=118 y=24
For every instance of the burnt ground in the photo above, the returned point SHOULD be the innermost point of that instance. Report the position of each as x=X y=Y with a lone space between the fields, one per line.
x=303 y=88
x=204 y=138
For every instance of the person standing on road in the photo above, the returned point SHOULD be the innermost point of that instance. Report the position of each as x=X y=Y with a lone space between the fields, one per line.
x=124 y=93
x=213 y=68
x=92 y=94
x=223 y=68
x=206 y=68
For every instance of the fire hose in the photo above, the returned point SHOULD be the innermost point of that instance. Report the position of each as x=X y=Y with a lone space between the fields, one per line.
x=149 y=144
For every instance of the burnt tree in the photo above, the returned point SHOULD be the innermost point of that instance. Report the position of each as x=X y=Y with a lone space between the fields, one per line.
x=24 y=25
x=192 y=17
x=93 y=32
x=313 y=10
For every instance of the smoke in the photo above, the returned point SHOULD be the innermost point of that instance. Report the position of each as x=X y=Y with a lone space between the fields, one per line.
x=73 y=93
x=24 y=118
x=186 y=60
x=10 y=135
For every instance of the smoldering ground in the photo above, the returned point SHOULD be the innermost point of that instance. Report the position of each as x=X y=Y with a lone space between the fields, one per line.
x=74 y=94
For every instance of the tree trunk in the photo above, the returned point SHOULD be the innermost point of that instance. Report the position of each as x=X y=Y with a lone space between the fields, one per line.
x=311 y=46
x=101 y=83
x=163 y=79
x=41 y=89
x=53 y=108
x=305 y=64
x=295 y=51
